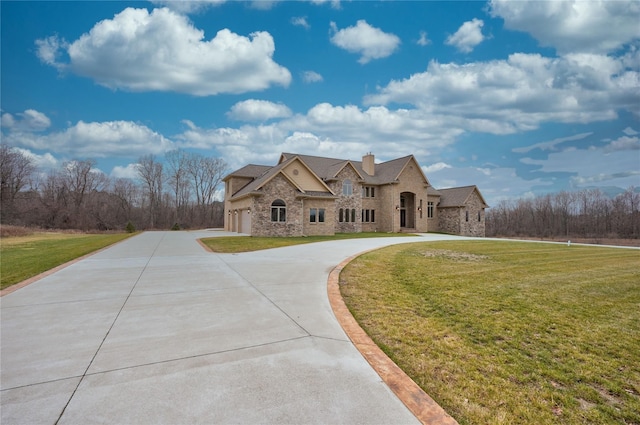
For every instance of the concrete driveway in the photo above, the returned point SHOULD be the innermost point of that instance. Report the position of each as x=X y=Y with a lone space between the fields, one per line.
x=155 y=330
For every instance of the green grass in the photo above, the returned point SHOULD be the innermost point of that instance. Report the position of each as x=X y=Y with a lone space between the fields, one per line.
x=23 y=257
x=234 y=244
x=508 y=332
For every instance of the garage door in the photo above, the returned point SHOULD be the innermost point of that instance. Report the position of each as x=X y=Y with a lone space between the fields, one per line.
x=244 y=222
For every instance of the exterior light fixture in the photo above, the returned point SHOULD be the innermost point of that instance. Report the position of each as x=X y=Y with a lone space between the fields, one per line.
x=397 y=207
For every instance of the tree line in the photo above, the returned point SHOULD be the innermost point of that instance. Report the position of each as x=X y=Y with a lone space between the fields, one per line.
x=179 y=192
x=588 y=213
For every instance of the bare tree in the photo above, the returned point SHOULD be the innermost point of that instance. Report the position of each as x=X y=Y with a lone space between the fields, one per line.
x=16 y=170
x=150 y=172
x=206 y=174
x=178 y=178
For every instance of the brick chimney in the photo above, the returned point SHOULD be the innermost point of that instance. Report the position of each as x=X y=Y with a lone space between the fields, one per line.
x=368 y=164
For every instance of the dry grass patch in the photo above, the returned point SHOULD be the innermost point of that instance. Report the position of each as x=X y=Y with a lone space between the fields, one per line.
x=508 y=332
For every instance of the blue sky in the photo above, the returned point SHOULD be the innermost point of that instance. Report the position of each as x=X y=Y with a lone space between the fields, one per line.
x=520 y=98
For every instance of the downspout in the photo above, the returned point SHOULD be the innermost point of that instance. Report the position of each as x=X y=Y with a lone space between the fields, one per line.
x=302 y=222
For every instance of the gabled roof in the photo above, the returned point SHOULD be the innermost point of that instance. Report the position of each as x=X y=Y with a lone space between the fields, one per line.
x=268 y=175
x=458 y=196
x=328 y=168
x=251 y=170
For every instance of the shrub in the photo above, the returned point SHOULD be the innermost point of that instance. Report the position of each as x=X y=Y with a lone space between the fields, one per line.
x=176 y=226
x=130 y=228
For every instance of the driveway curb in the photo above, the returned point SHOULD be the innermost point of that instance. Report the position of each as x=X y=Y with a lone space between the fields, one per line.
x=417 y=401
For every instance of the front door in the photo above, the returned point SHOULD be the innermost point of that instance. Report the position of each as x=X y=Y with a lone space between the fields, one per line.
x=403 y=217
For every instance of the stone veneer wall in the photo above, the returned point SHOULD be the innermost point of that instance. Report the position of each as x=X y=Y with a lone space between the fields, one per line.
x=473 y=227
x=278 y=188
x=453 y=220
x=449 y=220
x=353 y=201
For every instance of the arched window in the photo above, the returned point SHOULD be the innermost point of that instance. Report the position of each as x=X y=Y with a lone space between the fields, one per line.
x=341 y=215
x=347 y=188
x=278 y=211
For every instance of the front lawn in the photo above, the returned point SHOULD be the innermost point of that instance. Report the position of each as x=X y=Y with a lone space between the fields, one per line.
x=508 y=332
x=234 y=244
x=23 y=257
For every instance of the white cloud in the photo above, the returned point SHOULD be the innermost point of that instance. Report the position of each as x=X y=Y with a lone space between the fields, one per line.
x=300 y=21
x=335 y=4
x=96 y=140
x=369 y=42
x=311 y=77
x=551 y=144
x=130 y=171
x=423 y=40
x=29 y=120
x=599 y=167
x=625 y=143
x=505 y=96
x=42 y=162
x=163 y=51
x=258 y=110
x=49 y=50
x=596 y=26
x=630 y=131
x=435 y=167
x=188 y=6
x=468 y=36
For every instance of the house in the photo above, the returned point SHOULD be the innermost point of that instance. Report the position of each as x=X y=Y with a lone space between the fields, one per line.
x=306 y=195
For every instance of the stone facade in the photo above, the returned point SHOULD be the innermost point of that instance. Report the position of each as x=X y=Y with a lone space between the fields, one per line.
x=394 y=196
x=278 y=188
x=467 y=220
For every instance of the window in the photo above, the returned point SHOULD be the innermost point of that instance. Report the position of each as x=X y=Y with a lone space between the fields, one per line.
x=429 y=209
x=479 y=216
x=341 y=215
x=353 y=215
x=316 y=215
x=278 y=211
x=466 y=214
x=368 y=216
x=347 y=188
x=346 y=215
x=368 y=192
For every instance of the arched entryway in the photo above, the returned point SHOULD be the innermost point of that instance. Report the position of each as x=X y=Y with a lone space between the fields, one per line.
x=407 y=210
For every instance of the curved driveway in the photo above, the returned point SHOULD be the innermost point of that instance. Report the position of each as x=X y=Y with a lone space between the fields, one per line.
x=155 y=330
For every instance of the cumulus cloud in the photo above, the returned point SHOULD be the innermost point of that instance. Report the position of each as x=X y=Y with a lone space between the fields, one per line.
x=435 y=167
x=42 y=162
x=468 y=36
x=594 y=26
x=369 y=42
x=258 y=110
x=96 y=140
x=624 y=143
x=130 y=171
x=163 y=51
x=505 y=96
x=423 y=40
x=29 y=120
x=300 y=21
x=188 y=6
x=311 y=77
